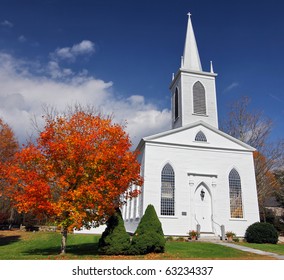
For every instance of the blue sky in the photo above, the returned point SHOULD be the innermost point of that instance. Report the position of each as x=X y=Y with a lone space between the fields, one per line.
x=120 y=55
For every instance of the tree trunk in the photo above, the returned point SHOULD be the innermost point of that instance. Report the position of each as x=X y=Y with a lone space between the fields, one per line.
x=262 y=214
x=11 y=218
x=64 y=232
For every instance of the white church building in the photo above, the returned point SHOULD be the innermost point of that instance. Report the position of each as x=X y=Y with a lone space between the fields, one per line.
x=196 y=176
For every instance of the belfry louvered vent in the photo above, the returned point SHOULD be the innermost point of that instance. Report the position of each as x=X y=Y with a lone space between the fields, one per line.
x=199 y=101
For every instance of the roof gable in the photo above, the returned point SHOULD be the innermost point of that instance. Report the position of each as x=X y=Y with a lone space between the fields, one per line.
x=186 y=136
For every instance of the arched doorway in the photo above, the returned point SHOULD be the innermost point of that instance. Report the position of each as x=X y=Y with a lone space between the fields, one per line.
x=203 y=208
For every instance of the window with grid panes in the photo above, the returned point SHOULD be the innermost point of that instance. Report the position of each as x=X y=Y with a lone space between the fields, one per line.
x=200 y=136
x=168 y=191
x=236 y=204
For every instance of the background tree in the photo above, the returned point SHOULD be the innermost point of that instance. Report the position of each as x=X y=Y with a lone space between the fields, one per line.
x=267 y=183
x=76 y=172
x=251 y=127
x=8 y=142
x=279 y=174
x=8 y=148
x=254 y=128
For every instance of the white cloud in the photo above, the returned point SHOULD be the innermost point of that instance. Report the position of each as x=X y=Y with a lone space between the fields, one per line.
x=7 y=23
x=23 y=93
x=275 y=97
x=86 y=47
x=56 y=72
x=22 y=39
x=230 y=87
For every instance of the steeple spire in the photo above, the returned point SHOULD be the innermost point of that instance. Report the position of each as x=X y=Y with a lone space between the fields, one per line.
x=191 y=60
x=193 y=90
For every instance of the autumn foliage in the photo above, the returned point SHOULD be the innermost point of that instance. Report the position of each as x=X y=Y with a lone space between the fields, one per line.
x=266 y=181
x=77 y=172
x=8 y=148
x=8 y=142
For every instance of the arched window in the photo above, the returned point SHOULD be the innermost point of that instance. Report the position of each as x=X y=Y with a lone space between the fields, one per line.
x=168 y=191
x=236 y=205
x=176 y=104
x=199 y=100
x=200 y=136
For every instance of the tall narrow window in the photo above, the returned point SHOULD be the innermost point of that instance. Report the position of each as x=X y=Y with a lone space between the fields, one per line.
x=168 y=191
x=176 y=103
x=236 y=205
x=199 y=100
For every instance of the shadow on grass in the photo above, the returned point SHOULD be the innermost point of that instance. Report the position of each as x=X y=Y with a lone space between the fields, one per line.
x=85 y=249
x=6 y=240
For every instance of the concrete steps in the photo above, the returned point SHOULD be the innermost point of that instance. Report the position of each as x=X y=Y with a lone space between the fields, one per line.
x=208 y=236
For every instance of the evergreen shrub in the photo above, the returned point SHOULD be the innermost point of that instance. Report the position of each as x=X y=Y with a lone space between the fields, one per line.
x=114 y=240
x=149 y=236
x=261 y=233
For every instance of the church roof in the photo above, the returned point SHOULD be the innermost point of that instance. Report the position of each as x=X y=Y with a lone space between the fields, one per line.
x=180 y=137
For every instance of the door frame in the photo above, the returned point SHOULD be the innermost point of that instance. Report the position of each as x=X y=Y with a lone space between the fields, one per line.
x=199 y=187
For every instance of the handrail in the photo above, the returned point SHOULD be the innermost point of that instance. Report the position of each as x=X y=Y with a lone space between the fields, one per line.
x=214 y=221
x=222 y=228
x=197 y=226
x=196 y=219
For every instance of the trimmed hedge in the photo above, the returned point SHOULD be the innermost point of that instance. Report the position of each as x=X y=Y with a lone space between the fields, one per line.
x=114 y=240
x=261 y=233
x=149 y=236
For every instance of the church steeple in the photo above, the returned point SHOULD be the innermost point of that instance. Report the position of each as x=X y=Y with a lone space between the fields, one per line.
x=193 y=90
x=191 y=60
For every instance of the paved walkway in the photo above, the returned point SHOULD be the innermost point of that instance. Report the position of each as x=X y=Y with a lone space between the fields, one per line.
x=251 y=250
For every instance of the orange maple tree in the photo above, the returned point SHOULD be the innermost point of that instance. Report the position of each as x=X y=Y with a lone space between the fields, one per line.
x=8 y=147
x=79 y=171
x=8 y=142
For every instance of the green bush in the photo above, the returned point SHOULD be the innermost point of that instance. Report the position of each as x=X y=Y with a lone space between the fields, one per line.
x=149 y=236
x=180 y=239
x=169 y=239
x=114 y=240
x=261 y=233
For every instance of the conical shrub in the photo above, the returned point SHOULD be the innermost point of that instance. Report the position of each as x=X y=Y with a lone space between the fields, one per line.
x=114 y=240
x=149 y=236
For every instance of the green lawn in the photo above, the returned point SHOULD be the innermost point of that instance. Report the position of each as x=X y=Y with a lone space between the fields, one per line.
x=204 y=250
x=46 y=245
x=18 y=245
x=273 y=248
